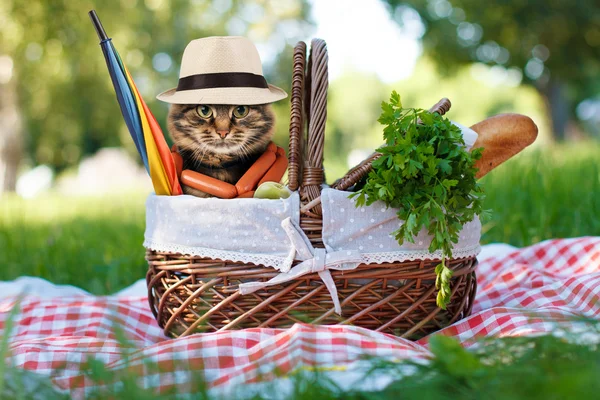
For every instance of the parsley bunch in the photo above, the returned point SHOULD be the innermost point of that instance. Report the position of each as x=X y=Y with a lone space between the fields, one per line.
x=426 y=173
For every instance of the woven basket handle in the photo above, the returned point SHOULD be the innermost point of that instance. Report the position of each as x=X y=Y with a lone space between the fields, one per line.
x=361 y=170
x=317 y=84
x=297 y=117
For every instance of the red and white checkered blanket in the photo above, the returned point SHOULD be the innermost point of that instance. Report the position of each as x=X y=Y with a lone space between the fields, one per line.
x=525 y=291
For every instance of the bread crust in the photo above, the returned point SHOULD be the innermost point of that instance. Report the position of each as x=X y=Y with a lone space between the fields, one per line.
x=502 y=136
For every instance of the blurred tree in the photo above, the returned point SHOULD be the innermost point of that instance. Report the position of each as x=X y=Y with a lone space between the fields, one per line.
x=352 y=131
x=10 y=141
x=553 y=44
x=354 y=105
x=58 y=75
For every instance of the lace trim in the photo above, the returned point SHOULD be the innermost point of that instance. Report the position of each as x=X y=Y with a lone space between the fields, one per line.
x=411 y=255
x=277 y=262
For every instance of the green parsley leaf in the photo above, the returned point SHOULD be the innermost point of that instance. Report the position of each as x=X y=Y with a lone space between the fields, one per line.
x=428 y=176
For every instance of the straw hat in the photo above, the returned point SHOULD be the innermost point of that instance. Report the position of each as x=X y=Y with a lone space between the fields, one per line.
x=222 y=70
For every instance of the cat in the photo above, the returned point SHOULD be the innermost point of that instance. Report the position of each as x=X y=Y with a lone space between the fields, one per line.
x=221 y=141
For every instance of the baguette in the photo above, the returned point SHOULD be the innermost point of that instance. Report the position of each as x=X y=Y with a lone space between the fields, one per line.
x=208 y=184
x=502 y=136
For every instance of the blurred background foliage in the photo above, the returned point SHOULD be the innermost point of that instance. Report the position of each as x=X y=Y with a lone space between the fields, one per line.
x=53 y=70
x=57 y=104
x=355 y=97
x=58 y=108
x=551 y=45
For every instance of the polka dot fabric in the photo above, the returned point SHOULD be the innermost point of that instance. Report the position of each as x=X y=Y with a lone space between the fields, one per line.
x=249 y=230
x=245 y=230
x=368 y=230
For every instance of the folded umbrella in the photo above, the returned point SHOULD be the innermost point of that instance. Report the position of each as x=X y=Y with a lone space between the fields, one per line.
x=147 y=136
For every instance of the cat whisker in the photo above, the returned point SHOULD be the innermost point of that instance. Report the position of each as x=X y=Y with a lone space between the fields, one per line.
x=205 y=151
x=243 y=150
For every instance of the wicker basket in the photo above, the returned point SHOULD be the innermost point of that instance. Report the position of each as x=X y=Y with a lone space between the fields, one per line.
x=189 y=294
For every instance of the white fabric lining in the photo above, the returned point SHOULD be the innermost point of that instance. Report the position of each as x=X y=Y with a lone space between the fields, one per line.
x=368 y=230
x=276 y=262
x=238 y=230
x=401 y=256
x=252 y=231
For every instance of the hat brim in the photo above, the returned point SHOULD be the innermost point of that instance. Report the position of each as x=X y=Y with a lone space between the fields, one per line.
x=228 y=95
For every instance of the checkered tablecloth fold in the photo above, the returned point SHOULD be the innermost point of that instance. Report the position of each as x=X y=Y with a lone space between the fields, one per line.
x=526 y=291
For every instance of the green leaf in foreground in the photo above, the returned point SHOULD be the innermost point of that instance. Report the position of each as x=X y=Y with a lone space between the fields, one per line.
x=427 y=174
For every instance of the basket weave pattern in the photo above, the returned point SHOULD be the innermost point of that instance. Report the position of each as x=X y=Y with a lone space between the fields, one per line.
x=191 y=294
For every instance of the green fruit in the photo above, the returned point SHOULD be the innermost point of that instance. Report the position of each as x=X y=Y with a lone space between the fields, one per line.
x=272 y=190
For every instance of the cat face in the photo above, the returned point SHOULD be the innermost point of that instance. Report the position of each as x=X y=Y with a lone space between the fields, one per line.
x=217 y=133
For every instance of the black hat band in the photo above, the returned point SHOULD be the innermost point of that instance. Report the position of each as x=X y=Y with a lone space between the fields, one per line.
x=220 y=80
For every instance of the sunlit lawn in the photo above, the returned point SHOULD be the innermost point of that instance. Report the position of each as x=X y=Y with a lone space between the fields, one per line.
x=96 y=243
x=542 y=194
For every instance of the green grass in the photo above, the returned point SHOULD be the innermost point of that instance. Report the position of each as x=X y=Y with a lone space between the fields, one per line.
x=93 y=243
x=545 y=193
x=560 y=366
x=96 y=243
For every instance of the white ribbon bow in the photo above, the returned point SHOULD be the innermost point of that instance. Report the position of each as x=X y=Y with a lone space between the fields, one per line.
x=313 y=260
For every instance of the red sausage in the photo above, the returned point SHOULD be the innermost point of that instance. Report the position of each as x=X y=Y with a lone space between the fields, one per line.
x=246 y=195
x=178 y=162
x=249 y=180
x=272 y=147
x=280 y=151
x=277 y=170
x=208 y=184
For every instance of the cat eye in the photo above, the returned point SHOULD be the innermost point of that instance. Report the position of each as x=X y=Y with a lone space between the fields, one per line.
x=241 y=111
x=204 y=111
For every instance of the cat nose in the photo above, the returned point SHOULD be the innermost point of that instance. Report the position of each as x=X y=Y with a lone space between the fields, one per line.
x=223 y=133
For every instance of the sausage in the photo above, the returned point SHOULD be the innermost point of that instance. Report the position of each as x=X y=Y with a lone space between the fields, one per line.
x=246 y=195
x=208 y=184
x=178 y=160
x=250 y=179
x=272 y=147
x=502 y=136
x=277 y=170
x=281 y=151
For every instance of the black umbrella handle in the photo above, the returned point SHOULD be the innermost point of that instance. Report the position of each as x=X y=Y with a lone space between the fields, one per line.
x=98 y=25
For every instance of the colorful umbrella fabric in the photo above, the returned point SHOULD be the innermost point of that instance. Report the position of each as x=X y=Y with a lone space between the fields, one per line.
x=143 y=127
